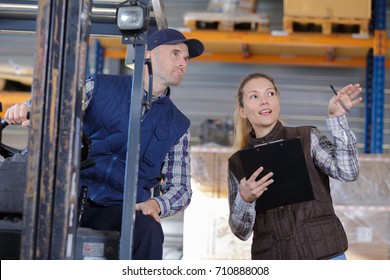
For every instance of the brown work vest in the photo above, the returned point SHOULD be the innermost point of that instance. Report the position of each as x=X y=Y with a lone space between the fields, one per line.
x=306 y=230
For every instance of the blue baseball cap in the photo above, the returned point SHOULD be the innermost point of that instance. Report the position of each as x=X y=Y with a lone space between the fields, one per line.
x=169 y=36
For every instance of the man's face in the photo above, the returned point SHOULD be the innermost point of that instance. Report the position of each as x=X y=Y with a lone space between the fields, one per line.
x=169 y=63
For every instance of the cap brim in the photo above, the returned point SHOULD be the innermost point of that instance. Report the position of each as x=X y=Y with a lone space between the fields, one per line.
x=195 y=47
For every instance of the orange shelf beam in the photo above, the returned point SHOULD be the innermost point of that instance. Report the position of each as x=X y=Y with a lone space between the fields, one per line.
x=283 y=60
x=299 y=40
x=115 y=49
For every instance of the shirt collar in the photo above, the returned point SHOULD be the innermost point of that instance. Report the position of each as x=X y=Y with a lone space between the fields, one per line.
x=276 y=133
x=155 y=98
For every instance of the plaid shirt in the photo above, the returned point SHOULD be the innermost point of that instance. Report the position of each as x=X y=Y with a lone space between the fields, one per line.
x=176 y=184
x=338 y=160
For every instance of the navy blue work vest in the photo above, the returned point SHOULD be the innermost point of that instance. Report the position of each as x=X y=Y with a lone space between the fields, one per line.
x=106 y=122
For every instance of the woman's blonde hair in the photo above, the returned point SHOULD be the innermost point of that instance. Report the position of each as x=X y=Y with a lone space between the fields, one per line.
x=242 y=127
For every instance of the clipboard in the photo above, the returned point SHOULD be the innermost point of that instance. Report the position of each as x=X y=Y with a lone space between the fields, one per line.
x=286 y=160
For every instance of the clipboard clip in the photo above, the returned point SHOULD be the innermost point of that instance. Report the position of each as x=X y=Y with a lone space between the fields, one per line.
x=259 y=145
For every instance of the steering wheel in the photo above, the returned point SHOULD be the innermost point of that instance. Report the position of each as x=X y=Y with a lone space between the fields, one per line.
x=8 y=151
x=5 y=150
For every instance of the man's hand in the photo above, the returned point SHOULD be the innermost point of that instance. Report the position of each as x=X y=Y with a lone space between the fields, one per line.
x=149 y=207
x=17 y=114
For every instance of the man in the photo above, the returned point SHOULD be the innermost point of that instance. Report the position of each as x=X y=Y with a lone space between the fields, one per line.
x=164 y=164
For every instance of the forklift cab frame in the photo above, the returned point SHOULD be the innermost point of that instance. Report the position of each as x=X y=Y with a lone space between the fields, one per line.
x=49 y=228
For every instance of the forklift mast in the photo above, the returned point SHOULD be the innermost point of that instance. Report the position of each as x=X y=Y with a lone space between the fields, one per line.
x=50 y=208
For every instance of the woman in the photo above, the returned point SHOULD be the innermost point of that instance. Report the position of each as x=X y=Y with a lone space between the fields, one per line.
x=306 y=230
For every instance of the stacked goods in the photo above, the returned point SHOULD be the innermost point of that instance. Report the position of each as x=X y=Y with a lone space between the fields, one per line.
x=327 y=16
x=209 y=208
x=363 y=208
x=228 y=15
x=209 y=169
x=232 y=6
x=227 y=22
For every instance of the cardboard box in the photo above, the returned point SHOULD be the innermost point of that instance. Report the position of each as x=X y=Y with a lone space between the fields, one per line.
x=226 y=21
x=372 y=188
x=364 y=209
x=367 y=230
x=209 y=169
x=206 y=231
x=360 y=9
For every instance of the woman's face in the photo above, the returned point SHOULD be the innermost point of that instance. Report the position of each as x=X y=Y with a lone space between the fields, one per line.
x=261 y=105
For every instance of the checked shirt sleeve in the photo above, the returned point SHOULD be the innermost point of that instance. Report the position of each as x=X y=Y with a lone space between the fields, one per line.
x=242 y=214
x=337 y=159
x=176 y=185
x=88 y=91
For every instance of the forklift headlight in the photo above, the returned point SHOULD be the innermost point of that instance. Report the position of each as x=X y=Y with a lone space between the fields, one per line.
x=130 y=18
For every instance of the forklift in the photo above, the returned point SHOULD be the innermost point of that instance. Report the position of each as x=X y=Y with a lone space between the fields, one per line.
x=39 y=212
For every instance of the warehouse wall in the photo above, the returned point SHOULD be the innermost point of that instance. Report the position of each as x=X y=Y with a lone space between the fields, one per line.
x=208 y=91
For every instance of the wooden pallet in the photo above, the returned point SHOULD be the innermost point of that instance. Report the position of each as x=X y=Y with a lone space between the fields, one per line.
x=232 y=6
x=226 y=21
x=325 y=25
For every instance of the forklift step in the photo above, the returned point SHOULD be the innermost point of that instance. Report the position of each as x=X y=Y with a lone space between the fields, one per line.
x=12 y=186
